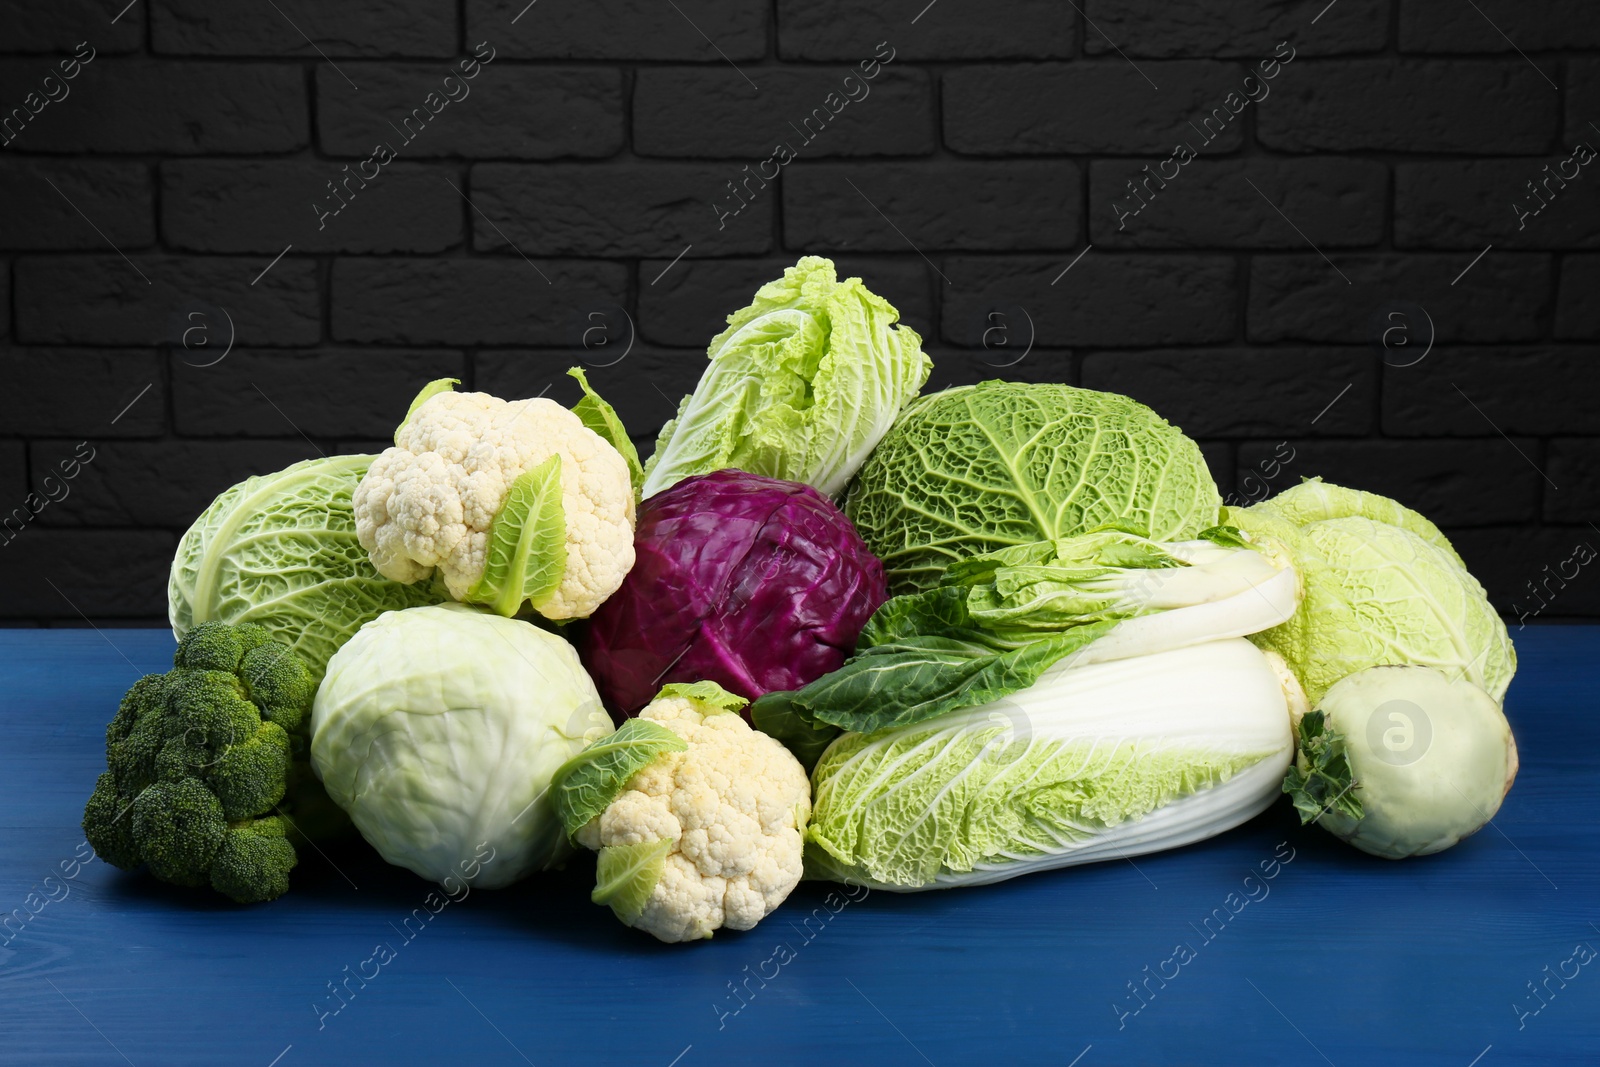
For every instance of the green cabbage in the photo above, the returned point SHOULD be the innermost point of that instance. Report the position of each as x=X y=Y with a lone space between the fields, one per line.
x=802 y=385
x=1383 y=587
x=440 y=729
x=980 y=468
x=280 y=550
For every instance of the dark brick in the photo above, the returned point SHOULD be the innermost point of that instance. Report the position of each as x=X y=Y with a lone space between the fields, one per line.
x=324 y=394
x=1000 y=29
x=690 y=303
x=896 y=207
x=531 y=112
x=1470 y=203
x=349 y=28
x=1105 y=299
x=1583 y=102
x=115 y=197
x=1435 y=105
x=1249 y=29
x=470 y=301
x=1534 y=25
x=712 y=112
x=106 y=300
x=1577 y=306
x=699 y=30
x=66 y=574
x=1220 y=461
x=156 y=483
x=644 y=385
x=62 y=25
x=648 y=210
x=1522 y=569
x=1303 y=298
x=1210 y=203
x=1247 y=392
x=262 y=205
x=1517 y=391
x=1573 y=464
x=13 y=477
x=146 y=106
x=80 y=391
x=1099 y=106
x=1012 y=361
x=1445 y=480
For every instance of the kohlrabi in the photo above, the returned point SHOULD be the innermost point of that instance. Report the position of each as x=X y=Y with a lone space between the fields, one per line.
x=1403 y=761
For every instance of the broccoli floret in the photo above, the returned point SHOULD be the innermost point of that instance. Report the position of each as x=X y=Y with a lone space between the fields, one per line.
x=199 y=761
x=250 y=777
x=254 y=862
x=179 y=828
x=108 y=824
x=280 y=683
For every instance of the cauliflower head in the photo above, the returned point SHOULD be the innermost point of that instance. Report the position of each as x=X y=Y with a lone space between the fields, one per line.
x=718 y=823
x=431 y=504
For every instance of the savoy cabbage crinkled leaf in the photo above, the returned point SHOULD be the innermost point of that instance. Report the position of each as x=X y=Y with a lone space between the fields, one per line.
x=1383 y=587
x=802 y=385
x=280 y=550
x=979 y=468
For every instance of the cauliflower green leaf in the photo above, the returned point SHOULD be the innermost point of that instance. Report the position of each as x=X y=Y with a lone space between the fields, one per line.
x=626 y=875
x=587 y=783
x=527 y=554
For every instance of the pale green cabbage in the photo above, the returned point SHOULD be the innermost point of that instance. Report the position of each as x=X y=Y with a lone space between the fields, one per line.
x=439 y=729
x=1089 y=763
x=980 y=468
x=1382 y=587
x=802 y=385
x=280 y=550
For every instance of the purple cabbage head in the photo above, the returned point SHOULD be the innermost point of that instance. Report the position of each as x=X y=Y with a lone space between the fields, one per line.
x=750 y=582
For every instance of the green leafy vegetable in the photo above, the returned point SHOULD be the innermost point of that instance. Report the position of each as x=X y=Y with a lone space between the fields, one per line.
x=801 y=386
x=997 y=622
x=1325 y=784
x=527 y=543
x=1090 y=763
x=626 y=875
x=587 y=783
x=280 y=551
x=708 y=696
x=1382 y=587
x=980 y=468
x=601 y=417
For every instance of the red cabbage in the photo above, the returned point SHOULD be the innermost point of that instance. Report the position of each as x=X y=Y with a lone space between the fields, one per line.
x=750 y=582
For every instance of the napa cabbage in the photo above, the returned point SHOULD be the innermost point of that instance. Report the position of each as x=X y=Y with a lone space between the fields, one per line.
x=801 y=385
x=1092 y=762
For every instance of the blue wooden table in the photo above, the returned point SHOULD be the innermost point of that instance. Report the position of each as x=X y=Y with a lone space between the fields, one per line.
x=1477 y=956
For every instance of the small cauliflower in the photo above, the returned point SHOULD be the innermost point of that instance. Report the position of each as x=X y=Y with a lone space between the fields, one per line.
x=509 y=502
x=699 y=819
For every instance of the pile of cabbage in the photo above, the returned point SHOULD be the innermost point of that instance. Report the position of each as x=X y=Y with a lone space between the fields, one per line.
x=1002 y=627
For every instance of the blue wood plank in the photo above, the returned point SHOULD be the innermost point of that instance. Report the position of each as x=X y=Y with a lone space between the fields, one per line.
x=1340 y=957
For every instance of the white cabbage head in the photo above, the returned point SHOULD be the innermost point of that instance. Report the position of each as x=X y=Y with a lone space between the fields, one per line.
x=438 y=730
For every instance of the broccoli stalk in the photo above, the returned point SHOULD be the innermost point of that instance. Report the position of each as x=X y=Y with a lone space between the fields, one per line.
x=206 y=768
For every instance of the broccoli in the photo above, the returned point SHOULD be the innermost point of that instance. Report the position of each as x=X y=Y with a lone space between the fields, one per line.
x=206 y=768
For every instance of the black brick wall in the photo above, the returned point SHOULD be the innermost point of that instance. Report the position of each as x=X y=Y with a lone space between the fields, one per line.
x=1010 y=176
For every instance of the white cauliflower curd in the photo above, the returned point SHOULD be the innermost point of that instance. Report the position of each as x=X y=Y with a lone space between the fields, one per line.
x=707 y=833
x=431 y=504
